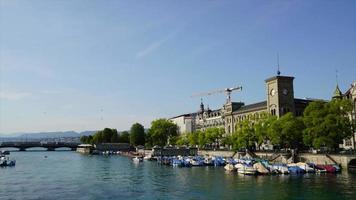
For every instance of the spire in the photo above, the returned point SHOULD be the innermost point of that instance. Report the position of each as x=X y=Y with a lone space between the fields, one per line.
x=278 y=72
x=201 y=105
x=337 y=93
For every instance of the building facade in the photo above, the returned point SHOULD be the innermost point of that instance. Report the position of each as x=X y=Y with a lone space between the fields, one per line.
x=279 y=101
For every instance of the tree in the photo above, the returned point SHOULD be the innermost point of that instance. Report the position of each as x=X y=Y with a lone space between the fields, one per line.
x=84 y=139
x=327 y=124
x=124 y=137
x=244 y=137
x=105 y=136
x=287 y=131
x=261 y=127
x=114 y=136
x=183 y=139
x=201 y=139
x=137 y=134
x=193 y=138
x=161 y=131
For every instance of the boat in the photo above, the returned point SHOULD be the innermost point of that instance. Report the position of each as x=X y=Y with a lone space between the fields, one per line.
x=218 y=161
x=230 y=168
x=261 y=169
x=197 y=161
x=177 y=163
x=328 y=168
x=6 y=162
x=305 y=167
x=294 y=169
x=245 y=169
x=137 y=159
x=4 y=152
x=281 y=168
x=208 y=161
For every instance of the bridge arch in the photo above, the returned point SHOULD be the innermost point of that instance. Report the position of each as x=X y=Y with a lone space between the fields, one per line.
x=352 y=164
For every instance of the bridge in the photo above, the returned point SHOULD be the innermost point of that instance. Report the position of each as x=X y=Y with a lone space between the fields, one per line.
x=50 y=146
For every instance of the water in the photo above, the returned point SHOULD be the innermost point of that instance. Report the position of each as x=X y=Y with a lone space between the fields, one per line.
x=70 y=175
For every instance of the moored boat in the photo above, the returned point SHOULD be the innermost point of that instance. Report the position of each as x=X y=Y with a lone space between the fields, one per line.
x=245 y=169
x=261 y=169
x=230 y=168
x=137 y=159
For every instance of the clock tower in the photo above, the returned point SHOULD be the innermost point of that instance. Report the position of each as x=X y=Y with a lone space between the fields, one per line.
x=280 y=95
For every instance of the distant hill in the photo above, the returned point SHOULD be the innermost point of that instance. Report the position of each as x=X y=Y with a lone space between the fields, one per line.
x=43 y=135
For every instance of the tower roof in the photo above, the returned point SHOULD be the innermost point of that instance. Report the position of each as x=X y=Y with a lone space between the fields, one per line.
x=337 y=93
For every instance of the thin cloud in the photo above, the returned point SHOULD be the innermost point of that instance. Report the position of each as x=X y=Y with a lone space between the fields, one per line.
x=154 y=46
x=13 y=96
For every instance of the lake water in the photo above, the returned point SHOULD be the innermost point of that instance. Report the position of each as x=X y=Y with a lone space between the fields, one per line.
x=70 y=175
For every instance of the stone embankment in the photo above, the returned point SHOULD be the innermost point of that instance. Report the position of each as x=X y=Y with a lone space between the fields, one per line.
x=343 y=160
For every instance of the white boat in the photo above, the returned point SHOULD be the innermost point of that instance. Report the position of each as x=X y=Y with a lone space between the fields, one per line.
x=261 y=168
x=305 y=167
x=5 y=161
x=230 y=168
x=137 y=159
x=245 y=169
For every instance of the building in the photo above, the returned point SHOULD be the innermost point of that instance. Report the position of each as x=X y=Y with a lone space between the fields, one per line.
x=184 y=122
x=279 y=101
x=350 y=94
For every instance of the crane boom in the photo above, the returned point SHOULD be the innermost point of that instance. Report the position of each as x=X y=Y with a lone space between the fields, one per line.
x=227 y=91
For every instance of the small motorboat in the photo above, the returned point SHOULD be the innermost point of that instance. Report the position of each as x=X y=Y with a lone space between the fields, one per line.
x=245 y=169
x=137 y=159
x=328 y=168
x=4 y=152
x=208 y=161
x=305 y=167
x=230 y=168
x=294 y=169
x=281 y=168
x=6 y=162
x=261 y=169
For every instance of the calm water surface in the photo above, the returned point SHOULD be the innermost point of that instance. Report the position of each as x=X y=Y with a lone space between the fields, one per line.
x=70 y=175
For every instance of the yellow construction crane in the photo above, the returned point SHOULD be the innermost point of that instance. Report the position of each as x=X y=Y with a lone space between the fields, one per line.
x=227 y=91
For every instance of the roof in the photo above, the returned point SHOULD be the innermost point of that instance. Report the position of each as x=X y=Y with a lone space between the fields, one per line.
x=254 y=106
x=337 y=92
x=182 y=115
x=280 y=77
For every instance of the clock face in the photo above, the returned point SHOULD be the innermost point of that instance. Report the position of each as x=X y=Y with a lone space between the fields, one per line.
x=273 y=92
x=285 y=91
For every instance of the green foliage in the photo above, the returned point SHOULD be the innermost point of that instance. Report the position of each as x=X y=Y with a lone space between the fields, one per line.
x=261 y=127
x=161 y=132
x=137 y=134
x=105 y=136
x=287 y=131
x=327 y=124
x=124 y=137
x=193 y=138
x=245 y=136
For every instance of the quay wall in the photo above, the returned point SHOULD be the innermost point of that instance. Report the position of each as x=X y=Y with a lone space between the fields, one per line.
x=322 y=159
x=216 y=153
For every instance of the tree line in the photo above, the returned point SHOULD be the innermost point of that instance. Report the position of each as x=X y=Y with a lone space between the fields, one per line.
x=161 y=133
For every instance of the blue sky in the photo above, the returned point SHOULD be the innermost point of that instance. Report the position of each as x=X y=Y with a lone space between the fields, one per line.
x=86 y=65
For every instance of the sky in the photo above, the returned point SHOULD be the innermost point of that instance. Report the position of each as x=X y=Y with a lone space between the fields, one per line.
x=86 y=65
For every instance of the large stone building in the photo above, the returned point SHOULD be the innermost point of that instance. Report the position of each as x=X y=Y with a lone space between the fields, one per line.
x=279 y=100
